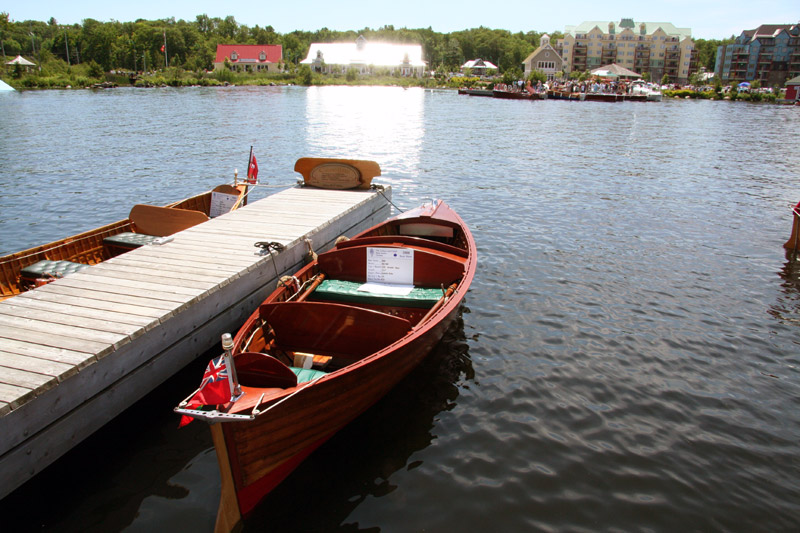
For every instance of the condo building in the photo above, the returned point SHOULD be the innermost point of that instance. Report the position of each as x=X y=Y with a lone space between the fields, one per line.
x=769 y=54
x=649 y=48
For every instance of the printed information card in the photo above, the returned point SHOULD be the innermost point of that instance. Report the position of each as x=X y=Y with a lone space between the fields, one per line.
x=393 y=266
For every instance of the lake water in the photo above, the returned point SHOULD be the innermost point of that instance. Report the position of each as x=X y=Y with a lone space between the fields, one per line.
x=628 y=357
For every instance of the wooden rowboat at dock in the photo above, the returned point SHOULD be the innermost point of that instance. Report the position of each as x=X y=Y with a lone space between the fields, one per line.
x=326 y=345
x=27 y=269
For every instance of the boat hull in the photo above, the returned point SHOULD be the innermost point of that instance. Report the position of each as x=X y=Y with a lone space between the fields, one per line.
x=263 y=452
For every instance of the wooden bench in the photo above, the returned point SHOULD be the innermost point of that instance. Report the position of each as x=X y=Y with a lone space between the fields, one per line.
x=150 y=222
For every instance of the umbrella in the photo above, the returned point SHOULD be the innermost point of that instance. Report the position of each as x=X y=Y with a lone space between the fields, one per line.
x=744 y=84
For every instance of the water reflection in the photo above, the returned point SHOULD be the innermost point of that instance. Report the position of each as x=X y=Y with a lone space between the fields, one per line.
x=383 y=124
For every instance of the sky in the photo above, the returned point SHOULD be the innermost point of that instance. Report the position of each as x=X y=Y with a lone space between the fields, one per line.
x=708 y=19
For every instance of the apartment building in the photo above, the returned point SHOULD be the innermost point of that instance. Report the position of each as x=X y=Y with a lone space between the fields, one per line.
x=769 y=54
x=649 y=48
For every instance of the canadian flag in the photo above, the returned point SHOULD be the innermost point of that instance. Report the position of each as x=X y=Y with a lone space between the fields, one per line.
x=252 y=170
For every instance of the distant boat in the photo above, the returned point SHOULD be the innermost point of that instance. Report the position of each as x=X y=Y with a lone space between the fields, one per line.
x=604 y=97
x=31 y=268
x=555 y=94
x=5 y=87
x=328 y=344
x=476 y=92
x=516 y=95
x=650 y=92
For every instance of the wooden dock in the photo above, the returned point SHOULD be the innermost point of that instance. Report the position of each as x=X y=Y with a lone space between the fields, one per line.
x=77 y=352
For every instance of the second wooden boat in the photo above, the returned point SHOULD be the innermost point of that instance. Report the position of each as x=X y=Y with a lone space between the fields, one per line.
x=39 y=265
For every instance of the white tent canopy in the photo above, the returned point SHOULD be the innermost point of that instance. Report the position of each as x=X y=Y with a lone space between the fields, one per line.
x=19 y=60
x=615 y=71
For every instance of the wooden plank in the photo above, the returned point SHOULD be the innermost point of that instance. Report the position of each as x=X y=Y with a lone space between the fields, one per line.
x=176 y=287
x=35 y=328
x=26 y=379
x=80 y=311
x=13 y=396
x=68 y=319
x=107 y=291
x=34 y=364
x=77 y=359
x=79 y=298
x=149 y=269
x=55 y=340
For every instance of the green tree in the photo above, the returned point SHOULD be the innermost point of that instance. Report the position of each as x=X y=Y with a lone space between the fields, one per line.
x=304 y=75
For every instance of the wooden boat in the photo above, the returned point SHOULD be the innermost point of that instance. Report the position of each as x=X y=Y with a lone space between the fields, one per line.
x=557 y=94
x=515 y=95
x=323 y=347
x=794 y=241
x=476 y=92
x=36 y=266
x=603 y=97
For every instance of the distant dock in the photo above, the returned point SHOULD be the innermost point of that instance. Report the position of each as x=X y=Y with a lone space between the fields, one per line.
x=77 y=352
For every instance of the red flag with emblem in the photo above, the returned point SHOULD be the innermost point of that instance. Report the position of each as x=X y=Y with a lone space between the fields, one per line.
x=214 y=389
x=252 y=169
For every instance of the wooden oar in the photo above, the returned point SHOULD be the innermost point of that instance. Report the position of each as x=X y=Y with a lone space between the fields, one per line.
x=448 y=293
x=317 y=282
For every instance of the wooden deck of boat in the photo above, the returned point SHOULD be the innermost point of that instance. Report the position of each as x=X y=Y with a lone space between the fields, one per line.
x=78 y=351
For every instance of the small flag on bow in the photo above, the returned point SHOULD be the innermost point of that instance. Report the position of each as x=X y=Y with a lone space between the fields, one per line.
x=214 y=389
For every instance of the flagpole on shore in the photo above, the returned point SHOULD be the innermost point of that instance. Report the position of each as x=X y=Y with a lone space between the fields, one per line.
x=166 y=63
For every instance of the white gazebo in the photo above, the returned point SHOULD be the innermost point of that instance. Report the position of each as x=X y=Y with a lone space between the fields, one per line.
x=19 y=60
x=479 y=67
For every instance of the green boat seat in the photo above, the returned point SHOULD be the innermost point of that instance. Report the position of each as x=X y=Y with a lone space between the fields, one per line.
x=129 y=240
x=306 y=374
x=334 y=290
x=51 y=269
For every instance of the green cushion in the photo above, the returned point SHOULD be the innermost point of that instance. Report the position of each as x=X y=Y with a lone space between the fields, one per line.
x=47 y=268
x=334 y=290
x=306 y=374
x=129 y=240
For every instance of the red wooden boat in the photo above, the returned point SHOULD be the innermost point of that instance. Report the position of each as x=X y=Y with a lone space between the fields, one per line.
x=794 y=241
x=327 y=344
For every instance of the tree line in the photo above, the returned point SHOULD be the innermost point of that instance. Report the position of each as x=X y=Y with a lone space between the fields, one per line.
x=191 y=45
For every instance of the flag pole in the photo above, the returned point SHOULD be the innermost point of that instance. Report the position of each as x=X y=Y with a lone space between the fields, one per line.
x=166 y=63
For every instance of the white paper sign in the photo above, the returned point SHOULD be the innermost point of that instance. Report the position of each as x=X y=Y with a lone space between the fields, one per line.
x=390 y=265
x=385 y=288
x=221 y=203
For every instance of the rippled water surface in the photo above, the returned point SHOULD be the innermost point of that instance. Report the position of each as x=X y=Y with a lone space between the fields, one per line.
x=627 y=357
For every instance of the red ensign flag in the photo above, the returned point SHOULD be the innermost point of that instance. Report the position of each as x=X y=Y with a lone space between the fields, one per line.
x=252 y=170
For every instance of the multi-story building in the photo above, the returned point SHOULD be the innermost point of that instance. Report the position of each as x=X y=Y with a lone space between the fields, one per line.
x=652 y=49
x=544 y=59
x=769 y=54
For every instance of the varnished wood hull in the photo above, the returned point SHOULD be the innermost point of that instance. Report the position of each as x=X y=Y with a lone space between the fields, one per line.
x=263 y=452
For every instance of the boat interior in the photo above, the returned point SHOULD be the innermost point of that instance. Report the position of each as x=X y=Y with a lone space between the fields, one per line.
x=324 y=319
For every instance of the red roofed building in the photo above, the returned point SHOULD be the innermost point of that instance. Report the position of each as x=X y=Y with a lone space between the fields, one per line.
x=249 y=57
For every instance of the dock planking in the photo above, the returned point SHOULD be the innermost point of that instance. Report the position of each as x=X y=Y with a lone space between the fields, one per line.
x=77 y=352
